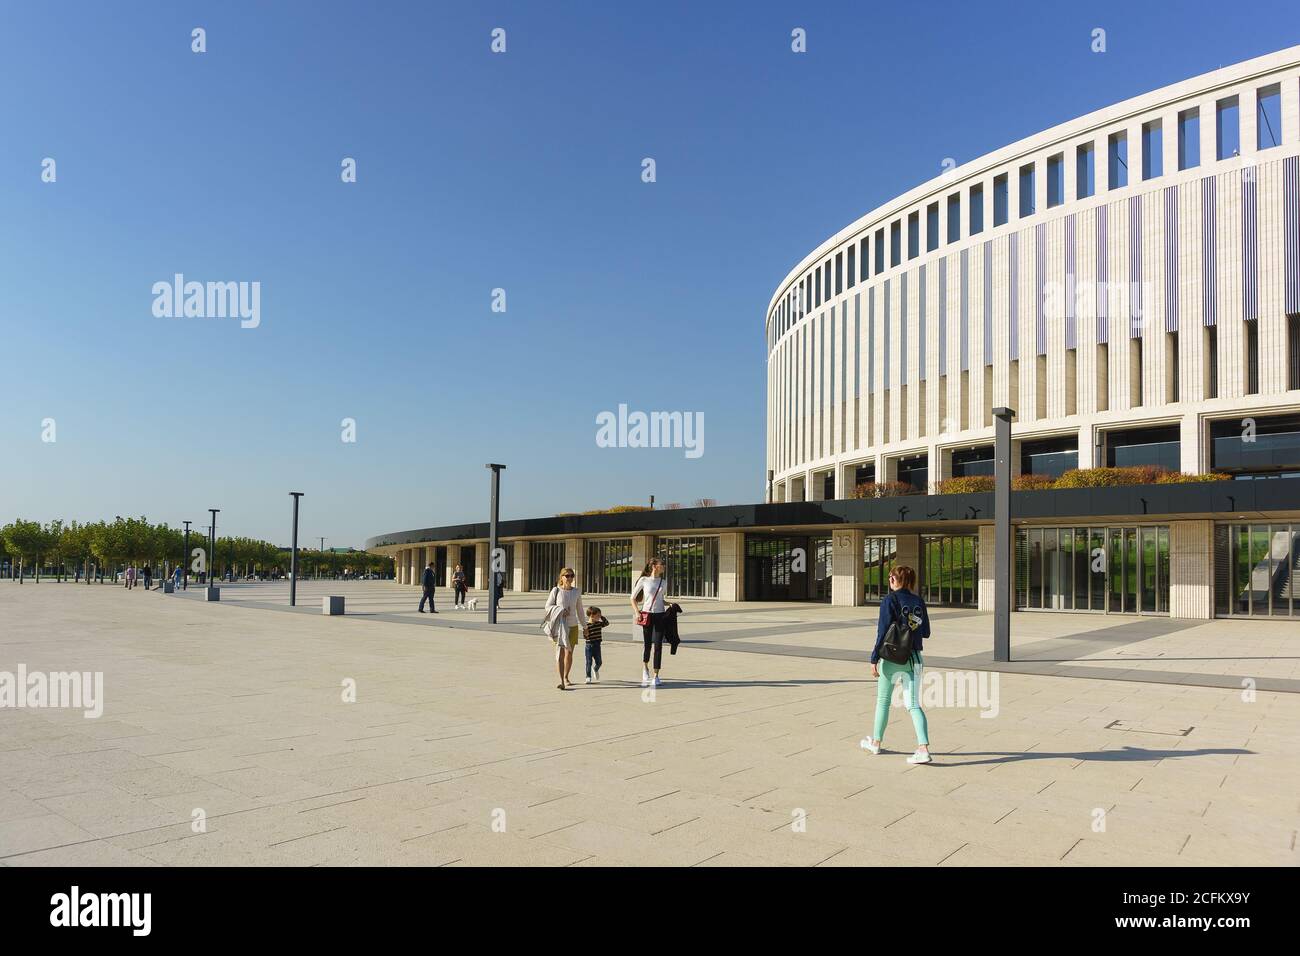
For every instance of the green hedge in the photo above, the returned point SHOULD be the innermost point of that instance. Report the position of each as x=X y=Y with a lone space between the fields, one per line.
x=1078 y=478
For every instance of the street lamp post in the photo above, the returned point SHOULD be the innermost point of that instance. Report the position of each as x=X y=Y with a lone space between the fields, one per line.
x=212 y=547
x=185 y=560
x=1002 y=533
x=293 y=554
x=493 y=515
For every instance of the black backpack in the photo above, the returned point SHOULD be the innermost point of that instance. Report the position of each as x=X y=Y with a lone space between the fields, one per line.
x=897 y=646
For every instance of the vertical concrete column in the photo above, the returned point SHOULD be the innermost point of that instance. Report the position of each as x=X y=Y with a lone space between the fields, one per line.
x=643 y=547
x=813 y=484
x=482 y=566
x=520 y=569
x=1290 y=108
x=1190 y=458
x=731 y=567
x=575 y=551
x=846 y=568
x=1191 y=569
x=399 y=565
x=430 y=555
x=988 y=560
x=1247 y=114
x=909 y=553
x=416 y=554
x=1169 y=136
x=453 y=559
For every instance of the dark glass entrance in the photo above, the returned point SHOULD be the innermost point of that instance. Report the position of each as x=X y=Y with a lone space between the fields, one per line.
x=787 y=568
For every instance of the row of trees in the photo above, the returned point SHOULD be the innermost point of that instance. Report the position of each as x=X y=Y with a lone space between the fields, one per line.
x=112 y=545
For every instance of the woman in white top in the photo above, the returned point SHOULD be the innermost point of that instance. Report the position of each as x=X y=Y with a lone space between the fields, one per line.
x=569 y=597
x=653 y=590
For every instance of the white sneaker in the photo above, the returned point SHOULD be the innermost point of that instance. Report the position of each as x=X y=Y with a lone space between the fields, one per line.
x=658 y=682
x=921 y=756
x=597 y=675
x=645 y=678
x=587 y=681
x=866 y=744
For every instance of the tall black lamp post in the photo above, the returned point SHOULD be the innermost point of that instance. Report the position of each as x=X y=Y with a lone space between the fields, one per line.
x=293 y=554
x=212 y=547
x=493 y=515
x=1002 y=533
x=185 y=560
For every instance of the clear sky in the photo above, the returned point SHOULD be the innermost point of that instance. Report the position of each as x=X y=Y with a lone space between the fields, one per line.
x=475 y=171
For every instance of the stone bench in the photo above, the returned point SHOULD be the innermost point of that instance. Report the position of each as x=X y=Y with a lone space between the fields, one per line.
x=332 y=604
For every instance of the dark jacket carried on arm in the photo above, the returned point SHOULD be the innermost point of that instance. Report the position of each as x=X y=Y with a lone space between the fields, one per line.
x=893 y=608
x=429 y=579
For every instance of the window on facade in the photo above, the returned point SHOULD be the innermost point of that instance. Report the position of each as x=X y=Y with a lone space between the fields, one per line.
x=1026 y=190
x=895 y=243
x=1274 y=447
x=1050 y=456
x=913 y=235
x=1227 y=128
x=932 y=227
x=1085 y=171
x=817 y=285
x=852 y=271
x=1000 y=200
x=826 y=270
x=1117 y=161
x=545 y=558
x=880 y=250
x=1268 y=116
x=608 y=569
x=1144 y=446
x=914 y=470
x=1189 y=138
x=863 y=264
x=1153 y=154
x=975 y=214
x=954 y=217
x=967 y=462
x=1055 y=180
x=839 y=272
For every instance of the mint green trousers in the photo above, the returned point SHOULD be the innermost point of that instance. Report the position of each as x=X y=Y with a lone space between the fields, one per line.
x=910 y=676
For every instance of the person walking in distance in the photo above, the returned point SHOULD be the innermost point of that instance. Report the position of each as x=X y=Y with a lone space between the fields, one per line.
x=903 y=626
x=458 y=585
x=130 y=576
x=568 y=597
x=429 y=580
x=650 y=615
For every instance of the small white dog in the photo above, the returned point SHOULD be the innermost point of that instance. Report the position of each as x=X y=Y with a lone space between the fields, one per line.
x=472 y=604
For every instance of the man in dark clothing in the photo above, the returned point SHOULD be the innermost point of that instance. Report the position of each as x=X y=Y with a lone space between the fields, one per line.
x=428 y=582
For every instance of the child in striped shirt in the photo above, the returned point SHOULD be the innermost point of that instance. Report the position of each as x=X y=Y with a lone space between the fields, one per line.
x=591 y=641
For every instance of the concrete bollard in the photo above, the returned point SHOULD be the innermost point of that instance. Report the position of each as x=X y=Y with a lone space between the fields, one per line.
x=332 y=604
x=169 y=587
x=212 y=593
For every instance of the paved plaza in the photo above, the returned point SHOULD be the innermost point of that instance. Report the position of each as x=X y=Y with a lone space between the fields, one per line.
x=229 y=736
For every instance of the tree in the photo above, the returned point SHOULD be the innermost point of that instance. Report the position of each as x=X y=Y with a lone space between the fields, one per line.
x=24 y=539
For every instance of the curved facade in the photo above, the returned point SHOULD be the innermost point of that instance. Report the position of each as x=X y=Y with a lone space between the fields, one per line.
x=1128 y=282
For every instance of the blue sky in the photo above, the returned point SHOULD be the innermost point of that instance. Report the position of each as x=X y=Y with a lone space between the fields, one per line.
x=475 y=171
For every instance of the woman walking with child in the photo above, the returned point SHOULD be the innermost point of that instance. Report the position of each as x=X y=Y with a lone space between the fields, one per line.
x=566 y=600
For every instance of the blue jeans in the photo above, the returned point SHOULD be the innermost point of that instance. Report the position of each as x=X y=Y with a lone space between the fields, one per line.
x=591 y=651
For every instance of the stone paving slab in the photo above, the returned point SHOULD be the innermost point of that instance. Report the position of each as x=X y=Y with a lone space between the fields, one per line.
x=459 y=751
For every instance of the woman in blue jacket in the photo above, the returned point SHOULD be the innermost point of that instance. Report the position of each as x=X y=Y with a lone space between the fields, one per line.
x=901 y=605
